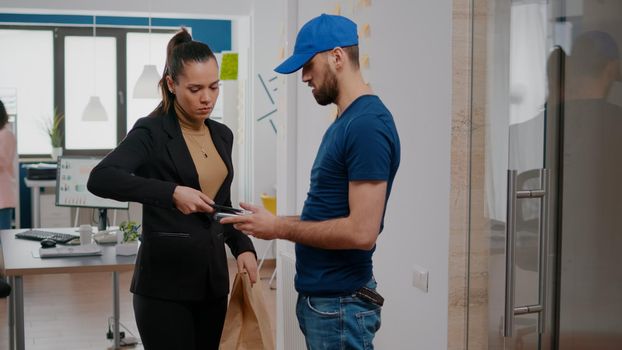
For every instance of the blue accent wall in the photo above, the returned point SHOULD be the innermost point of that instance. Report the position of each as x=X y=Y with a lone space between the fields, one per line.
x=214 y=32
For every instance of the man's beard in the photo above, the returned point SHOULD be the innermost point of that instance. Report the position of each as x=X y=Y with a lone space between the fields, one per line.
x=328 y=92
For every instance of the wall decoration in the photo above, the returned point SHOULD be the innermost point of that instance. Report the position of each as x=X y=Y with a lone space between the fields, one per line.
x=269 y=91
x=364 y=61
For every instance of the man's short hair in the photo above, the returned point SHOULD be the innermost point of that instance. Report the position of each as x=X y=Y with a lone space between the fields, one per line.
x=353 y=55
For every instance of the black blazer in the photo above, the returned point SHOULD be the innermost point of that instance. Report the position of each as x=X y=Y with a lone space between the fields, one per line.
x=181 y=257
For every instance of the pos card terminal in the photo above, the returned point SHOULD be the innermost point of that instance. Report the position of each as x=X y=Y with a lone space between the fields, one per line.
x=221 y=211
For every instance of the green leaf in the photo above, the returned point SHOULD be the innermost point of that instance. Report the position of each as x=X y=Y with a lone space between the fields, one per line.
x=53 y=128
x=130 y=231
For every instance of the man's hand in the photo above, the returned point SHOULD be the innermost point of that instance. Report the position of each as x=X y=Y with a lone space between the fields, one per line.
x=188 y=200
x=358 y=230
x=260 y=223
x=247 y=262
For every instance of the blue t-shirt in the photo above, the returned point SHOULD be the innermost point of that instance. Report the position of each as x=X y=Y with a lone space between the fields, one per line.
x=362 y=144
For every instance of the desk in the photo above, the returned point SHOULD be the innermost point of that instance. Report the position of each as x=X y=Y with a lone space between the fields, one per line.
x=18 y=262
x=35 y=197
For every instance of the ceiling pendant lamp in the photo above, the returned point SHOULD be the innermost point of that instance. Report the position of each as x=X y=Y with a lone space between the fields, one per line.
x=147 y=84
x=94 y=110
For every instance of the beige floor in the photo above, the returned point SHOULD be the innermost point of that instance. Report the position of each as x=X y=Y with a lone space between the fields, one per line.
x=70 y=311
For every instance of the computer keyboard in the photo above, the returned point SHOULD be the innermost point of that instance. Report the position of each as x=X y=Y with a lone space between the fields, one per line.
x=39 y=235
x=79 y=250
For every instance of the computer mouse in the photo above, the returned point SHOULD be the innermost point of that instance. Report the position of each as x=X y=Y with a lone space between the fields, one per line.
x=48 y=243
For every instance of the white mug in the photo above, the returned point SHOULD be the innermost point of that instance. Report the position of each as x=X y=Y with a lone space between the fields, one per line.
x=85 y=234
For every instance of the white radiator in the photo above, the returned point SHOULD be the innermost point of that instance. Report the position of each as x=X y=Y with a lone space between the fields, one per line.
x=292 y=338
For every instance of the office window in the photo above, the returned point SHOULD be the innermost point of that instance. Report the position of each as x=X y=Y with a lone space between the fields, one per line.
x=90 y=70
x=143 y=48
x=26 y=68
x=48 y=67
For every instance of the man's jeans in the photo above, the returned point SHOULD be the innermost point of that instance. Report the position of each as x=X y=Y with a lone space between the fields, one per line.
x=339 y=323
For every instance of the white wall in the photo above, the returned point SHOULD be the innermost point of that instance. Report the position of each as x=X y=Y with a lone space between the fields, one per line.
x=410 y=69
x=415 y=59
x=267 y=23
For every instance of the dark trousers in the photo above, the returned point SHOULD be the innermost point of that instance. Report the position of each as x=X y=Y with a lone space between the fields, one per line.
x=183 y=325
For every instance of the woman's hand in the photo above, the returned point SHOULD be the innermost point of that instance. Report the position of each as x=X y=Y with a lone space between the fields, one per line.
x=188 y=200
x=247 y=261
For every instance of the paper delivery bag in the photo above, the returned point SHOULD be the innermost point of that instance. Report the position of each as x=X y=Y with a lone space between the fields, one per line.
x=247 y=325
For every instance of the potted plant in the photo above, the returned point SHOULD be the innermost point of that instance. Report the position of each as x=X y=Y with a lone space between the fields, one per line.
x=128 y=244
x=54 y=131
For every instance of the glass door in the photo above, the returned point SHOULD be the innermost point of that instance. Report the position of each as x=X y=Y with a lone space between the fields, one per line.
x=589 y=298
x=546 y=183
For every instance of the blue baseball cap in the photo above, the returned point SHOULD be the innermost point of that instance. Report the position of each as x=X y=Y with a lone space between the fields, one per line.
x=322 y=33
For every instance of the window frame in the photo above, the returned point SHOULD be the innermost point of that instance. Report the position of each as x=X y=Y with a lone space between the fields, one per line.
x=58 y=45
x=60 y=33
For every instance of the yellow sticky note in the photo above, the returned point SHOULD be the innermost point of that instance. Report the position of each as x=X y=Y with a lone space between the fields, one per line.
x=229 y=66
x=365 y=31
x=365 y=61
x=337 y=10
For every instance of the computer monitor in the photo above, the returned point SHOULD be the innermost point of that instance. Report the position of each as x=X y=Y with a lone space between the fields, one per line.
x=72 y=174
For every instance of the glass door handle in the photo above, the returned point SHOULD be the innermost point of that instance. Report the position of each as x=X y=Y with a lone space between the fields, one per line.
x=512 y=196
x=510 y=229
x=544 y=246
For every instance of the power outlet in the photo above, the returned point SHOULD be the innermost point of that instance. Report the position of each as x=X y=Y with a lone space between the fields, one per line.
x=420 y=278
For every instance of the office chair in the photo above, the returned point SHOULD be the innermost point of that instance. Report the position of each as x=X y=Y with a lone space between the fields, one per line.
x=5 y=288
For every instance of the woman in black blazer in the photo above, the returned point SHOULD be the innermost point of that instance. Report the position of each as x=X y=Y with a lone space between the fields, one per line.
x=177 y=163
